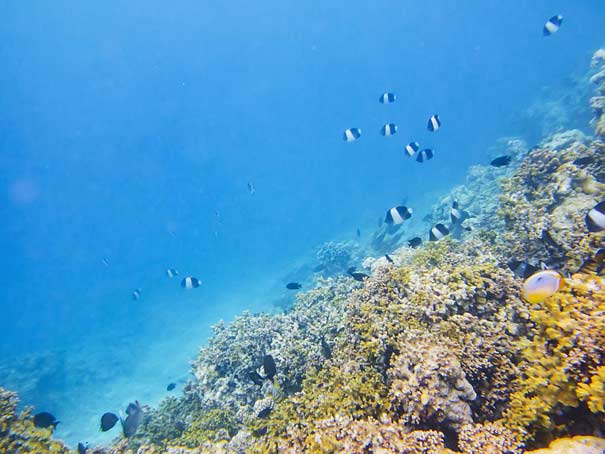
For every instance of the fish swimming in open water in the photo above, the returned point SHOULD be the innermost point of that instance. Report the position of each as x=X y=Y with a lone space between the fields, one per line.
x=434 y=123
x=425 y=155
x=171 y=272
x=190 y=282
x=411 y=148
x=351 y=134
x=387 y=98
x=293 y=286
x=136 y=295
x=389 y=129
x=552 y=25
x=108 y=420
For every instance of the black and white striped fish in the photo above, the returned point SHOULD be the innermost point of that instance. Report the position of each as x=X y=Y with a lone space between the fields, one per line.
x=387 y=98
x=397 y=215
x=351 y=134
x=434 y=123
x=389 y=129
x=411 y=148
x=438 y=232
x=595 y=218
x=190 y=282
x=552 y=25
x=136 y=295
x=424 y=155
x=171 y=272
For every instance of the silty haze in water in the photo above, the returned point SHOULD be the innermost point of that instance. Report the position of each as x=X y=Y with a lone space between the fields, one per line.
x=323 y=227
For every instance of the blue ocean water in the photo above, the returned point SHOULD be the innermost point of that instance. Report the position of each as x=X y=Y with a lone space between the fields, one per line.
x=129 y=132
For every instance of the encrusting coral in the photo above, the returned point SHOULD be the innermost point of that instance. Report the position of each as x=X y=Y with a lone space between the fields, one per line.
x=19 y=435
x=563 y=360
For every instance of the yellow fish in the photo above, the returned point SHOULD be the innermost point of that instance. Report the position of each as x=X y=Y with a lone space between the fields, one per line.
x=541 y=285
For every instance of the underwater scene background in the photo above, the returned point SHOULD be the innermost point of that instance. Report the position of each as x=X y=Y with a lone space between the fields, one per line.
x=207 y=138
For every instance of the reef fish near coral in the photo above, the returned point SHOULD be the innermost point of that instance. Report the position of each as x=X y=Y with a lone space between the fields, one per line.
x=351 y=134
x=457 y=215
x=522 y=269
x=424 y=155
x=108 y=420
x=389 y=129
x=434 y=123
x=190 y=282
x=595 y=264
x=438 y=232
x=133 y=419
x=356 y=275
x=171 y=387
x=411 y=148
x=552 y=25
x=387 y=98
x=415 y=242
x=595 y=218
x=389 y=259
x=293 y=286
x=45 y=420
x=541 y=285
x=256 y=378
x=82 y=449
x=501 y=161
x=269 y=367
x=397 y=215
x=171 y=272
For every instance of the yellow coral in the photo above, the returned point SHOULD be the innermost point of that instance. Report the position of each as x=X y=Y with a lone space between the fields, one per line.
x=575 y=445
x=563 y=362
x=594 y=392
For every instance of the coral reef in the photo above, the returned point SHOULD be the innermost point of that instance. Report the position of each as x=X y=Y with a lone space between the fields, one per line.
x=563 y=360
x=597 y=102
x=575 y=445
x=336 y=257
x=18 y=435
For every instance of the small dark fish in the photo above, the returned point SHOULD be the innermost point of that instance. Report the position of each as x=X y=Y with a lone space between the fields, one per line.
x=190 y=282
x=584 y=161
x=108 y=420
x=595 y=264
x=133 y=420
x=136 y=295
x=552 y=25
x=501 y=161
x=251 y=188
x=358 y=233
x=415 y=242
x=325 y=349
x=269 y=367
x=256 y=378
x=434 y=123
x=548 y=240
x=293 y=286
x=357 y=276
x=595 y=218
x=438 y=232
x=82 y=449
x=522 y=269
x=45 y=420
x=388 y=257
x=264 y=412
x=170 y=386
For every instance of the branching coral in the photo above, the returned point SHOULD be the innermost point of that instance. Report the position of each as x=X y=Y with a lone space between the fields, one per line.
x=489 y=438
x=563 y=361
